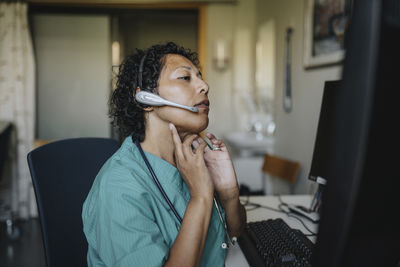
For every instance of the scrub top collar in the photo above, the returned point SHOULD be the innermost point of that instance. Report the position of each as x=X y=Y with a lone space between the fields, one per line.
x=167 y=174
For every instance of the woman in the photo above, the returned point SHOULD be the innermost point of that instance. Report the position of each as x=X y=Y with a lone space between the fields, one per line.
x=127 y=219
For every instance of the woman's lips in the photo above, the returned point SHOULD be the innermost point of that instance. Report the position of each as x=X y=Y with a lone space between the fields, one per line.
x=203 y=104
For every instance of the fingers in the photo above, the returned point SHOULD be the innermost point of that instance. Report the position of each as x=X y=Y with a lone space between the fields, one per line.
x=213 y=139
x=187 y=142
x=217 y=143
x=211 y=136
x=184 y=149
x=177 y=141
x=200 y=149
x=196 y=143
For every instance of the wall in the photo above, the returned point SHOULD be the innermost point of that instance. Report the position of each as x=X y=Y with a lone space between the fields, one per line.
x=219 y=22
x=73 y=75
x=295 y=132
x=234 y=23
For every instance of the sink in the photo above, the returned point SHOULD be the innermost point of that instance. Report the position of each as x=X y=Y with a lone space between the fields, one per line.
x=250 y=143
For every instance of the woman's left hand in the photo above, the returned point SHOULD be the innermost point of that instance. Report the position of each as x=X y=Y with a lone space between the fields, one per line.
x=220 y=167
x=222 y=173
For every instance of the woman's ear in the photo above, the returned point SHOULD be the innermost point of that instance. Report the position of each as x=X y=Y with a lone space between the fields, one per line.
x=148 y=108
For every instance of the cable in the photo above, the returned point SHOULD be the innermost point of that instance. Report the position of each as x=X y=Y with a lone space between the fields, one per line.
x=291 y=214
x=247 y=203
x=247 y=200
x=268 y=208
x=256 y=206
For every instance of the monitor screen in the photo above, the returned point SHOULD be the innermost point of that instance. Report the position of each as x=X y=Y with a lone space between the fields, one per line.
x=360 y=222
x=323 y=139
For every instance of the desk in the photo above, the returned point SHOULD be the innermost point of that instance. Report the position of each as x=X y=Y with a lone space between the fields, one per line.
x=235 y=257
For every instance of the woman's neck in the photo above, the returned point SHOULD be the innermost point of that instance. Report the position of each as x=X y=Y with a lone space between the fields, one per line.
x=158 y=140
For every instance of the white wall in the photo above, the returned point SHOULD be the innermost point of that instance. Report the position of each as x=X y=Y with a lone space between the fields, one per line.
x=73 y=75
x=295 y=132
x=220 y=19
x=234 y=23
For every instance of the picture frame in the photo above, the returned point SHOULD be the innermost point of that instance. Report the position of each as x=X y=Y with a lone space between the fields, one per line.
x=325 y=25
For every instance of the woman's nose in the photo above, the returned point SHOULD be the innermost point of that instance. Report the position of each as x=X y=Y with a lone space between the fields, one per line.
x=203 y=87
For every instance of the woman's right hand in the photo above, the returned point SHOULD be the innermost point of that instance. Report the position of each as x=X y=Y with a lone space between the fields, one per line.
x=188 y=246
x=191 y=165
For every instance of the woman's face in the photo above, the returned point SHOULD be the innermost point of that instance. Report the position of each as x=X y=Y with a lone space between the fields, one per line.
x=181 y=82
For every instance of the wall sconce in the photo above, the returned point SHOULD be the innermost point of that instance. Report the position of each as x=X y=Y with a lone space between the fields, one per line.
x=221 y=55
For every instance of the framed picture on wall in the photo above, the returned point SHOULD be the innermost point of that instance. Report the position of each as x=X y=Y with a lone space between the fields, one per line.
x=325 y=25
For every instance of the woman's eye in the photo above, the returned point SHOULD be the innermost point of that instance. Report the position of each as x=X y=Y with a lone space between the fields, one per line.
x=186 y=78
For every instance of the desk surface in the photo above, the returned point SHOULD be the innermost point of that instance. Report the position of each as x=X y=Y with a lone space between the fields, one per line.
x=235 y=257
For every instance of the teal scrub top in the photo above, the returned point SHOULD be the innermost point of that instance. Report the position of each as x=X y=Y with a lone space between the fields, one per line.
x=126 y=220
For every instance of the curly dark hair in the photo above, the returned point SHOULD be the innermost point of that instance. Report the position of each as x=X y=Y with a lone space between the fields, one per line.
x=127 y=114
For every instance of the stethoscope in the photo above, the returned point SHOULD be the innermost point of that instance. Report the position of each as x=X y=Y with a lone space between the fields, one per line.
x=224 y=245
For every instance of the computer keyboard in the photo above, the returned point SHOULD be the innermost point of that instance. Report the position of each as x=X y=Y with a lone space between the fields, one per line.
x=274 y=243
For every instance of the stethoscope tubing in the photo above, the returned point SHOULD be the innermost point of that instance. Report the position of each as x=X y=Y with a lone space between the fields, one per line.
x=154 y=176
x=157 y=182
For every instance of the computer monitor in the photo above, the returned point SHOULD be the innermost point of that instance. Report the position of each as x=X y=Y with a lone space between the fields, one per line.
x=360 y=222
x=323 y=140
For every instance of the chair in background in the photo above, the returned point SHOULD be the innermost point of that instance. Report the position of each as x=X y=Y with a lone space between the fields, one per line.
x=277 y=172
x=62 y=174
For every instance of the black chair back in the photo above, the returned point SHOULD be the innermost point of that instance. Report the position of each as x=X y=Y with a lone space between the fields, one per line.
x=62 y=174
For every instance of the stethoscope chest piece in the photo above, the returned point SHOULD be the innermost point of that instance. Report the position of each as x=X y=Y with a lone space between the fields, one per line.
x=233 y=241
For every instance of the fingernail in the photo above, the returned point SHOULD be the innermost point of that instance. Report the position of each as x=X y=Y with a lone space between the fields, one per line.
x=170 y=126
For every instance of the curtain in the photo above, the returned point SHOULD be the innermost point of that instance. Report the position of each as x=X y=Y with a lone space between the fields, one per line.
x=17 y=105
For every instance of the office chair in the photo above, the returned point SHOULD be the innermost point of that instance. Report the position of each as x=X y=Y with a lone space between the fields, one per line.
x=279 y=169
x=62 y=174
